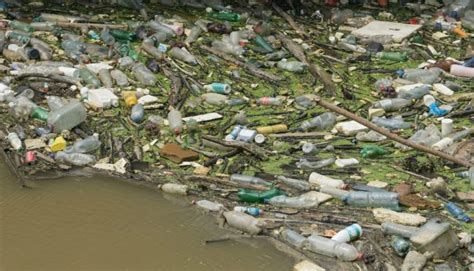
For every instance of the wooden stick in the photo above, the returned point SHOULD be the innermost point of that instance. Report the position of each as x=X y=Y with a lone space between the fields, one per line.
x=388 y=134
x=91 y=25
x=290 y=21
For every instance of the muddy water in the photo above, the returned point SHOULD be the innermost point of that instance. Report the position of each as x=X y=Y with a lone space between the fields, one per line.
x=104 y=224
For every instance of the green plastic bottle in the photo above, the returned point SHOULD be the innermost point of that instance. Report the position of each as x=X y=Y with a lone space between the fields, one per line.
x=393 y=56
x=372 y=151
x=89 y=78
x=252 y=196
x=19 y=37
x=133 y=54
x=260 y=41
x=39 y=114
x=120 y=34
x=21 y=26
x=226 y=16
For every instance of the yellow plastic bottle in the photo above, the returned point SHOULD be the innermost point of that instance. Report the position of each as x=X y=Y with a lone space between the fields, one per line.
x=130 y=98
x=59 y=144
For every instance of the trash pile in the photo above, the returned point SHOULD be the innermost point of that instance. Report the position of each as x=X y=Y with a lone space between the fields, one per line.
x=344 y=133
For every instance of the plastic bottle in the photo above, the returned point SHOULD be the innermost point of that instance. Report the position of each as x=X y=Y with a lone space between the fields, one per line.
x=294 y=183
x=394 y=104
x=309 y=148
x=429 y=76
x=243 y=222
x=372 y=151
x=234 y=133
x=123 y=35
x=193 y=35
x=414 y=93
x=152 y=50
x=392 y=124
x=144 y=75
x=462 y=71
x=119 y=77
x=268 y=101
x=292 y=66
x=45 y=51
x=252 y=196
x=76 y=159
x=86 y=145
x=175 y=121
x=293 y=238
x=399 y=230
x=292 y=202
x=456 y=10
x=321 y=180
x=457 y=212
x=387 y=200
x=348 y=234
x=220 y=88
x=392 y=56
x=226 y=16
x=89 y=78
x=43 y=26
x=273 y=129
x=322 y=122
x=209 y=205
x=21 y=38
x=182 y=55
x=15 y=141
x=130 y=98
x=137 y=113
x=245 y=179
x=106 y=78
x=227 y=48
x=400 y=245
x=214 y=98
x=55 y=102
x=253 y=211
x=160 y=28
x=346 y=162
x=331 y=248
x=174 y=188
x=67 y=117
x=304 y=163
x=106 y=37
x=260 y=41
x=21 y=26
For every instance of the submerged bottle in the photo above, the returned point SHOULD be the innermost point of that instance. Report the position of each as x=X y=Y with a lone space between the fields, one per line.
x=209 y=205
x=292 y=202
x=76 y=159
x=387 y=200
x=67 y=117
x=86 y=145
x=243 y=222
x=331 y=248
x=322 y=122
x=175 y=121
x=245 y=179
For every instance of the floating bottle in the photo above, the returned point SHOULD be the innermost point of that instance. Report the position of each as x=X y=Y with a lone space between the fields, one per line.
x=67 y=117
x=292 y=66
x=226 y=16
x=400 y=245
x=76 y=159
x=268 y=101
x=21 y=26
x=399 y=230
x=174 y=188
x=243 y=222
x=86 y=145
x=293 y=238
x=392 y=56
x=392 y=124
x=348 y=234
x=120 y=78
x=322 y=122
x=252 y=196
x=209 y=205
x=372 y=199
x=294 y=183
x=175 y=121
x=137 y=113
x=321 y=180
x=106 y=37
x=423 y=76
x=183 y=55
x=15 y=141
x=394 y=104
x=144 y=75
x=220 y=88
x=106 y=78
x=253 y=211
x=414 y=93
x=292 y=202
x=331 y=248
x=89 y=78
x=245 y=179
x=457 y=212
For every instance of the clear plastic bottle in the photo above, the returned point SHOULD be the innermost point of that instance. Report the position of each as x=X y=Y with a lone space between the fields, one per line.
x=423 y=76
x=106 y=37
x=89 y=78
x=294 y=183
x=67 y=117
x=137 y=113
x=21 y=107
x=86 y=145
x=394 y=104
x=293 y=238
x=398 y=229
x=243 y=222
x=269 y=101
x=414 y=93
x=304 y=163
x=21 y=26
x=322 y=122
x=144 y=75
x=227 y=48
x=392 y=124
x=335 y=192
x=175 y=121
x=309 y=148
x=253 y=211
x=293 y=202
x=15 y=141
x=76 y=159
x=373 y=199
x=245 y=179
x=292 y=66
x=331 y=248
x=55 y=102
x=209 y=205
x=193 y=35
x=152 y=50
x=119 y=77
x=183 y=55
x=321 y=180
x=106 y=78
x=214 y=98
x=174 y=188
x=43 y=26
x=159 y=27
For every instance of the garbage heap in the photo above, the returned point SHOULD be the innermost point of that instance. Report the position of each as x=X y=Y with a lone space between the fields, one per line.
x=247 y=110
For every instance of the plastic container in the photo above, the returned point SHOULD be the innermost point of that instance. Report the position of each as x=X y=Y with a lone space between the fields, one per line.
x=243 y=222
x=331 y=248
x=321 y=180
x=274 y=129
x=346 y=162
x=183 y=55
x=260 y=41
x=67 y=117
x=161 y=28
x=252 y=196
x=137 y=114
x=106 y=37
x=253 y=211
x=76 y=159
x=175 y=121
x=55 y=102
x=292 y=202
x=348 y=234
x=174 y=188
x=227 y=48
x=102 y=98
x=292 y=66
x=248 y=179
x=234 y=133
x=144 y=75
x=293 y=238
x=322 y=122
x=387 y=200
x=209 y=205
x=15 y=141
x=214 y=98
x=86 y=145
x=220 y=88
x=268 y=101
x=21 y=26
x=294 y=183
x=394 y=104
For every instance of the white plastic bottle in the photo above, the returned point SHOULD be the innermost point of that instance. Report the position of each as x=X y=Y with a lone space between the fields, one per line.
x=243 y=222
x=293 y=202
x=174 y=188
x=348 y=234
x=321 y=180
x=15 y=141
x=331 y=248
x=209 y=205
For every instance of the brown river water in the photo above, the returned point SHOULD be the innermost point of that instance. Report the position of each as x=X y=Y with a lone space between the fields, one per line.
x=100 y=223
